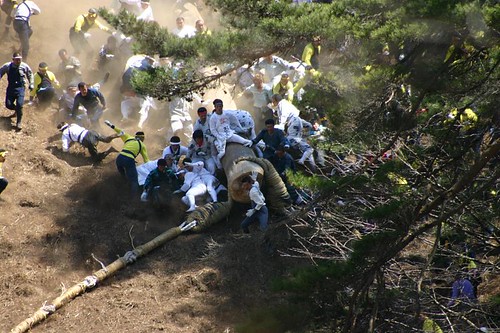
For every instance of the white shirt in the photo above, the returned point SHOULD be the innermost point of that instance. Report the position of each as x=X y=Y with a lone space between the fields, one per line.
x=256 y=196
x=73 y=133
x=24 y=10
x=186 y=31
x=199 y=169
x=181 y=151
x=285 y=109
x=220 y=126
x=276 y=67
x=191 y=179
x=179 y=109
x=260 y=97
x=147 y=15
x=205 y=128
x=133 y=6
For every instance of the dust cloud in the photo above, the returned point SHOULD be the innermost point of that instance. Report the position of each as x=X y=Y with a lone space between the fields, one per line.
x=51 y=33
x=51 y=27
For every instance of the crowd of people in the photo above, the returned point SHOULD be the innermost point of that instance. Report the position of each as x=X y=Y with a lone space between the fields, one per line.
x=191 y=163
x=193 y=157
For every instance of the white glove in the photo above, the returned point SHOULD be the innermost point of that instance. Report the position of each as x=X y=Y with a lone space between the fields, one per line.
x=86 y=35
x=107 y=122
x=250 y=212
x=110 y=56
x=254 y=175
x=144 y=196
x=127 y=39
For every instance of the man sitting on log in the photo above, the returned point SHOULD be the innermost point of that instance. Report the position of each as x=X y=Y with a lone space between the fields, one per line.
x=272 y=138
x=220 y=127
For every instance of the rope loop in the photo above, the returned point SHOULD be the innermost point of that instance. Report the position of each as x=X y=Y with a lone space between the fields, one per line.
x=48 y=308
x=130 y=256
x=188 y=226
x=90 y=281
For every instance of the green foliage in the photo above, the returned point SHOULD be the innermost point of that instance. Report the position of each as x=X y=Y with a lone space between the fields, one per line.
x=306 y=280
x=312 y=182
x=372 y=246
x=279 y=319
x=383 y=211
x=495 y=300
x=337 y=275
x=381 y=174
x=382 y=61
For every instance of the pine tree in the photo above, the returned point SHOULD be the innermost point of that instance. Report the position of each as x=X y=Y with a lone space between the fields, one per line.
x=398 y=76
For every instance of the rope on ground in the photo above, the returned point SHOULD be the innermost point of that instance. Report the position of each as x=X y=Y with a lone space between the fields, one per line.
x=199 y=220
x=209 y=214
x=93 y=280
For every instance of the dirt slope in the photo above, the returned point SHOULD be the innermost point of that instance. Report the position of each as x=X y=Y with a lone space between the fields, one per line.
x=59 y=211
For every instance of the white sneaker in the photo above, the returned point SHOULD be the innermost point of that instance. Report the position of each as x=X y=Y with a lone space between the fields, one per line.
x=191 y=209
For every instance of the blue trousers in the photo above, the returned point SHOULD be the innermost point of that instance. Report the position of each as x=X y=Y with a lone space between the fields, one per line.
x=3 y=184
x=94 y=115
x=46 y=95
x=14 y=100
x=126 y=167
x=24 y=32
x=261 y=216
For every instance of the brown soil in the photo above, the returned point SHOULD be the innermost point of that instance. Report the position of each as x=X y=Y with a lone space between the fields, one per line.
x=60 y=211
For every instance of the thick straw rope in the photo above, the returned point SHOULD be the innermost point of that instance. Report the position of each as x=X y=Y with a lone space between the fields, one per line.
x=199 y=220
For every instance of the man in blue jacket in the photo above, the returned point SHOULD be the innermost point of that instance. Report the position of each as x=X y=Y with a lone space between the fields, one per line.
x=18 y=75
x=92 y=100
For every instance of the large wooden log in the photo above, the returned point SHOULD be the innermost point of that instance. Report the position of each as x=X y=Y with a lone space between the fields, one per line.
x=235 y=172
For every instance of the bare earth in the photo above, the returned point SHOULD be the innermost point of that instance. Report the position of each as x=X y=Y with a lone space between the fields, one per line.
x=59 y=211
x=60 y=215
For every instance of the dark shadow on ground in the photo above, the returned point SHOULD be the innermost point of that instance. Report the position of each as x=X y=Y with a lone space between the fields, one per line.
x=6 y=123
x=235 y=269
